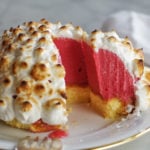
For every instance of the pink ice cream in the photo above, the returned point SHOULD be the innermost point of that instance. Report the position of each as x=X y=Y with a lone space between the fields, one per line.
x=107 y=75
x=72 y=59
x=106 y=72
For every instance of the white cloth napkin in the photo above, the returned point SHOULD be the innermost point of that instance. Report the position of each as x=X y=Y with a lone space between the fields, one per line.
x=134 y=25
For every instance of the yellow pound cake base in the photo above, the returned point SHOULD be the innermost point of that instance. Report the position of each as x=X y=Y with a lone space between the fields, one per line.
x=36 y=127
x=112 y=109
x=17 y=124
x=77 y=94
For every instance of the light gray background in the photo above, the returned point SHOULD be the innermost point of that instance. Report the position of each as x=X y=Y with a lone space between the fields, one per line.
x=89 y=14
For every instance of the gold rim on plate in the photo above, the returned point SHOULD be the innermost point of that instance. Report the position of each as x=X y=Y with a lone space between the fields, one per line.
x=123 y=141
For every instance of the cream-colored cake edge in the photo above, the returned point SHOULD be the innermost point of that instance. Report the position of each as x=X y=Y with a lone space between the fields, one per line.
x=77 y=94
x=111 y=109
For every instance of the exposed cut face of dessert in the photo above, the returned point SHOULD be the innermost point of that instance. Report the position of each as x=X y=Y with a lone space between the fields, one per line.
x=116 y=71
x=68 y=39
x=41 y=63
x=113 y=69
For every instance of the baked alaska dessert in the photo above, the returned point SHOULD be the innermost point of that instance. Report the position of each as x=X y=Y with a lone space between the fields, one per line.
x=44 y=66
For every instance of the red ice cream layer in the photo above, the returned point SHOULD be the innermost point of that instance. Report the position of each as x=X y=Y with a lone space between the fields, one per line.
x=107 y=75
x=72 y=59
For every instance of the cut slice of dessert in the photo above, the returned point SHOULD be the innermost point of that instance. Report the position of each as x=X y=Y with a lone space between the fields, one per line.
x=32 y=85
x=114 y=70
x=113 y=67
x=68 y=40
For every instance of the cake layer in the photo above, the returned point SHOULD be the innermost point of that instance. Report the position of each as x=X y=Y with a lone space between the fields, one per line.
x=78 y=94
x=112 y=109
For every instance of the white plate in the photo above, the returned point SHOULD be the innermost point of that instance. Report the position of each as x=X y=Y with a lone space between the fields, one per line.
x=87 y=130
